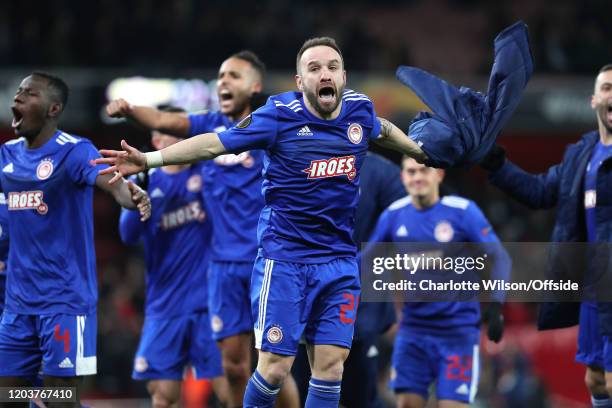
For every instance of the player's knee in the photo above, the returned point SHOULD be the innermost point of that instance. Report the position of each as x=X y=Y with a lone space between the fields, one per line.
x=329 y=367
x=235 y=369
x=595 y=382
x=274 y=369
x=162 y=398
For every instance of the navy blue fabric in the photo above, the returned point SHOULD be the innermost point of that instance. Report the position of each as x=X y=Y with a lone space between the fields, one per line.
x=562 y=186
x=465 y=124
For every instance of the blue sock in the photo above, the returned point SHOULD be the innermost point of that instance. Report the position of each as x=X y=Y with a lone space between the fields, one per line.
x=259 y=394
x=323 y=394
x=601 y=401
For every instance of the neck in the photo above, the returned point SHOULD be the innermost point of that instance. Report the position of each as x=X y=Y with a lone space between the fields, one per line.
x=175 y=168
x=234 y=117
x=42 y=137
x=325 y=116
x=422 y=202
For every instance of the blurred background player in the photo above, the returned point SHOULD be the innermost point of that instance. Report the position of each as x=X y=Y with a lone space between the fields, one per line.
x=232 y=186
x=579 y=187
x=176 y=240
x=438 y=342
x=305 y=278
x=51 y=293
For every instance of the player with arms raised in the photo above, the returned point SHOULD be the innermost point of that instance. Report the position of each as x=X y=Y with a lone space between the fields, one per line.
x=51 y=296
x=305 y=278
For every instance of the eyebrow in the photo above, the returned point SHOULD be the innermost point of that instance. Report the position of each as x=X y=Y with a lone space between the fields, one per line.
x=335 y=60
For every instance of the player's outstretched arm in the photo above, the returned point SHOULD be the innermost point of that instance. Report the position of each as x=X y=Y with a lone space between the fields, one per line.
x=127 y=194
x=131 y=161
x=393 y=138
x=172 y=123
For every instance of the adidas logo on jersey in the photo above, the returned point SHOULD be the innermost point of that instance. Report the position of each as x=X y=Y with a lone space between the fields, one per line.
x=156 y=193
x=402 y=231
x=336 y=166
x=66 y=363
x=27 y=200
x=305 y=131
x=8 y=168
x=463 y=389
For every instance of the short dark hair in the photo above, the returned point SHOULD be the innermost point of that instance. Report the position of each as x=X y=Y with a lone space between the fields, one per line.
x=607 y=67
x=253 y=59
x=315 y=42
x=58 y=87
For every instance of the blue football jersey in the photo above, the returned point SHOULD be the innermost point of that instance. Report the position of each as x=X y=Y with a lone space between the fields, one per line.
x=49 y=191
x=4 y=246
x=451 y=219
x=232 y=187
x=600 y=154
x=311 y=174
x=176 y=242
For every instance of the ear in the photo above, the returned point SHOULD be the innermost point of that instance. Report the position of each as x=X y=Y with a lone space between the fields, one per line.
x=593 y=102
x=441 y=174
x=298 y=82
x=257 y=87
x=55 y=109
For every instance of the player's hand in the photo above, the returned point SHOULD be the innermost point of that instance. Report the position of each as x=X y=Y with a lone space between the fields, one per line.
x=2 y=266
x=494 y=318
x=141 y=200
x=119 y=108
x=495 y=159
x=122 y=163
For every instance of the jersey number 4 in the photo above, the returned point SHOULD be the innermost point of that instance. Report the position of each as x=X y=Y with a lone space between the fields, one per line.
x=64 y=337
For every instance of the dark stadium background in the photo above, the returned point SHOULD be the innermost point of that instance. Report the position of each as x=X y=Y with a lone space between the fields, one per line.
x=92 y=43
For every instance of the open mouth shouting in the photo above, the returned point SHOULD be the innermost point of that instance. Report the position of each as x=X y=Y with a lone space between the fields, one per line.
x=17 y=117
x=225 y=97
x=327 y=96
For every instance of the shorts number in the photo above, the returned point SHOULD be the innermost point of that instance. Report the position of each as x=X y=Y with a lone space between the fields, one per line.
x=457 y=368
x=64 y=337
x=348 y=307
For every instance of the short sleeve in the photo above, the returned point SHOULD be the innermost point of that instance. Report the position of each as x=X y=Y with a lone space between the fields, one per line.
x=78 y=164
x=256 y=131
x=200 y=123
x=375 y=133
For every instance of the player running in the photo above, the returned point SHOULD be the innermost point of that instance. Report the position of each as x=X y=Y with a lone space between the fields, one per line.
x=305 y=278
x=438 y=341
x=51 y=290
x=176 y=241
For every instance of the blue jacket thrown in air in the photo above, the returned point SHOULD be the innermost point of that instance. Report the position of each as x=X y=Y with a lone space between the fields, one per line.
x=465 y=124
x=563 y=186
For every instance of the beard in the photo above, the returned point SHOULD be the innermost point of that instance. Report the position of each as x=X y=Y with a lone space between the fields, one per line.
x=602 y=114
x=324 y=110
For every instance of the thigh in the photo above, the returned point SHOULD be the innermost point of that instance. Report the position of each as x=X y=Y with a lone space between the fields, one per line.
x=332 y=298
x=204 y=354
x=229 y=298
x=163 y=350
x=459 y=368
x=20 y=351
x=277 y=302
